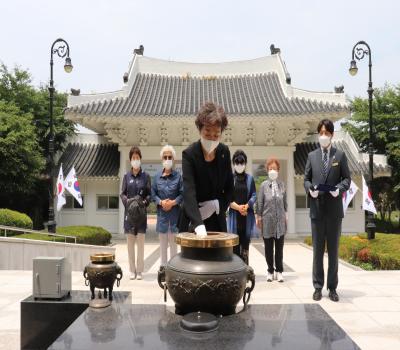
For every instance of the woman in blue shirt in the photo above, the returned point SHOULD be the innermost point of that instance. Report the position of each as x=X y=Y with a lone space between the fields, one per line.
x=166 y=192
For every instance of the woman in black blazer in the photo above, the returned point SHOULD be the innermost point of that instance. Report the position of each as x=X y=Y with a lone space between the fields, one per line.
x=207 y=175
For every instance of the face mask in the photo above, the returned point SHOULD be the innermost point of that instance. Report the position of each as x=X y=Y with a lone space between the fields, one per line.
x=273 y=175
x=324 y=140
x=209 y=145
x=135 y=164
x=239 y=168
x=167 y=164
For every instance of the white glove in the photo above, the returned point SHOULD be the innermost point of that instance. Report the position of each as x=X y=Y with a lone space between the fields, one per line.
x=334 y=193
x=314 y=194
x=208 y=208
x=201 y=231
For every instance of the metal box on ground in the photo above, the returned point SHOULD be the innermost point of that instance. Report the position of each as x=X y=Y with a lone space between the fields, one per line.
x=51 y=277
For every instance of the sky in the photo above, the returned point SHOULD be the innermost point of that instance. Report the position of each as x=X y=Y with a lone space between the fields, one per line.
x=315 y=37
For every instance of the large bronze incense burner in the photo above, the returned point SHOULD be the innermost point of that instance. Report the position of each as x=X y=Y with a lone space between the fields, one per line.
x=101 y=273
x=206 y=276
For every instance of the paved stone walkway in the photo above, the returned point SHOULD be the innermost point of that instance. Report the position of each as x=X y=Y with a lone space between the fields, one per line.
x=369 y=308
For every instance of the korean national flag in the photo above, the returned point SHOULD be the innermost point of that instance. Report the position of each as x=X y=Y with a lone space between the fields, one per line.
x=368 y=203
x=349 y=195
x=60 y=190
x=72 y=185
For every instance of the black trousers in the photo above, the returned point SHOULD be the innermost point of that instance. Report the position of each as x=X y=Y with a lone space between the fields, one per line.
x=325 y=231
x=242 y=249
x=244 y=243
x=269 y=253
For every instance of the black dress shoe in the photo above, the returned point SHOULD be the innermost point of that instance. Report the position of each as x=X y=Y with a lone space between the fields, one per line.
x=333 y=295
x=317 y=294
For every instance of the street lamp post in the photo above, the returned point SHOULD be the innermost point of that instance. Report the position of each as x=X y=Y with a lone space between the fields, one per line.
x=61 y=48
x=360 y=50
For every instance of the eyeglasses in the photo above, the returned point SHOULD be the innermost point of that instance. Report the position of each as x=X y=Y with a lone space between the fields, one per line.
x=167 y=158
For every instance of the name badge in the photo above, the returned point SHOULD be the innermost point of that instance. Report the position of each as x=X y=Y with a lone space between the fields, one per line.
x=335 y=164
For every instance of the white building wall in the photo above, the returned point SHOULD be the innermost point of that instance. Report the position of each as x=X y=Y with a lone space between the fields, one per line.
x=90 y=215
x=353 y=222
x=112 y=220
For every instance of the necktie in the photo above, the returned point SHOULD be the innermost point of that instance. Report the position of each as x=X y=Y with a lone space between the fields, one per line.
x=325 y=162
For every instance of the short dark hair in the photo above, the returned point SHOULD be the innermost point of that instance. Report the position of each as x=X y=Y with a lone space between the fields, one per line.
x=239 y=157
x=328 y=125
x=211 y=114
x=135 y=150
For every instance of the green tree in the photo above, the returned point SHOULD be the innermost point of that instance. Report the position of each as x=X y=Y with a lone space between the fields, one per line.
x=386 y=134
x=17 y=91
x=21 y=161
x=16 y=87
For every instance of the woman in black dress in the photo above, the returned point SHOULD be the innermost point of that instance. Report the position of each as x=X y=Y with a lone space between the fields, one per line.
x=241 y=219
x=207 y=175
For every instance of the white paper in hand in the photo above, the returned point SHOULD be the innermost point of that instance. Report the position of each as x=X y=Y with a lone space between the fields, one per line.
x=206 y=209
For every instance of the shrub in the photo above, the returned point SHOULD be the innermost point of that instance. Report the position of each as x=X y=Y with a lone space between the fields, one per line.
x=14 y=218
x=381 y=253
x=364 y=255
x=87 y=234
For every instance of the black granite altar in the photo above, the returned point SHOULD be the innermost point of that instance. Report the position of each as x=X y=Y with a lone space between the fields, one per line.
x=291 y=326
x=44 y=320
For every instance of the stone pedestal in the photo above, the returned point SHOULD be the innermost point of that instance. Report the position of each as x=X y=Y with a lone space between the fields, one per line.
x=289 y=326
x=43 y=321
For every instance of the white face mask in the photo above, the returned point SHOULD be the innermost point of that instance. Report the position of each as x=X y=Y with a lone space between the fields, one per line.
x=239 y=168
x=135 y=164
x=167 y=164
x=324 y=140
x=273 y=175
x=209 y=145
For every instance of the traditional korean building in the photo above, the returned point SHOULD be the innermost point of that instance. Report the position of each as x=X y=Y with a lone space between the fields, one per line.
x=157 y=105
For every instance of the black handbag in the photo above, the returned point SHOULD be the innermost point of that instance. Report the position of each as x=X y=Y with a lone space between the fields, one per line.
x=136 y=211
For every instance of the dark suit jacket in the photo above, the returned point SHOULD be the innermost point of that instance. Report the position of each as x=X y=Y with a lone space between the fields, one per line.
x=338 y=174
x=195 y=181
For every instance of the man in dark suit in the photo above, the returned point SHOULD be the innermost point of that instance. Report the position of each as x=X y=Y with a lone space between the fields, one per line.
x=207 y=175
x=326 y=177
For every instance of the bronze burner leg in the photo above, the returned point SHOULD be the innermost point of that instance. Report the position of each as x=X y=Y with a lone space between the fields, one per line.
x=92 y=290
x=110 y=295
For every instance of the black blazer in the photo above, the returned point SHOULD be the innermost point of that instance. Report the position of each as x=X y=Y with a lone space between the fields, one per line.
x=338 y=174
x=194 y=183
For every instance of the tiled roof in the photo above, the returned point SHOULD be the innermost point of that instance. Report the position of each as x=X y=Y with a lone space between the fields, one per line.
x=157 y=95
x=356 y=167
x=91 y=160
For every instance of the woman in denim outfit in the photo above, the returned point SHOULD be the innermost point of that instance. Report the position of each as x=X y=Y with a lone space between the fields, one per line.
x=166 y=192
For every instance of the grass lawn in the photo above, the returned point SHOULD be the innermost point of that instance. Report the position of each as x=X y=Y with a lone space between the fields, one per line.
x=381 y=253
x=40 y=237
x=84 y=235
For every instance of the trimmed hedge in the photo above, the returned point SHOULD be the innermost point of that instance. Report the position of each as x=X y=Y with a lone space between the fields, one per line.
x=14 y=218
x=87 y=234
x=381 y=253
x=84 y=234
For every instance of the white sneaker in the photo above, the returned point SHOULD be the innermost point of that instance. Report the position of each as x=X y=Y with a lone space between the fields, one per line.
x=270 y=277
x=132 y=276
x=139 y=276
x=279 y=277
